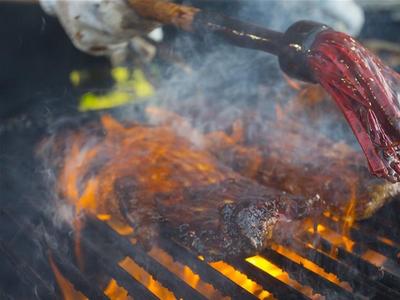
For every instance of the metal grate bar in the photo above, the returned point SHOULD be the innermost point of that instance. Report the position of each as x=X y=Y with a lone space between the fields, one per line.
x=123 y=278
x=386 y=221
x=364 y=238
x=81 y=283
x=307 y=277
x=392 y=232
x=207 y=273
x=158 y=271
x=28 y=276
x=377 y=282
x=358 y=281
x=76 y=277
x=67 y=268
x=370 y=231
x=355 y=260
x=268 y=282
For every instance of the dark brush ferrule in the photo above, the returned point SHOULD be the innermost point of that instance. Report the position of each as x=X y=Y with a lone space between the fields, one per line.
x=296 y=47
x=238 y=33
x=292 y=47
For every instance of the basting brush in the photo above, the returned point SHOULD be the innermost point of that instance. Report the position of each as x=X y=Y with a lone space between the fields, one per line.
x=363 y=87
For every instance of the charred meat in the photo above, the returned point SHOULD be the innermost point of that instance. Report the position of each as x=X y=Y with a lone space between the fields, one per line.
x=157 y=181
x=290 y=157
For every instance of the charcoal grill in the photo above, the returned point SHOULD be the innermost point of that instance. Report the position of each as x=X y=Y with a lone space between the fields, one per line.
x=29 y=238
x=32 y=244
x=312 y=264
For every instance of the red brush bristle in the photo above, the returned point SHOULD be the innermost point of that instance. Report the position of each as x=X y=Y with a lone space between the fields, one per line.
x=367 y=92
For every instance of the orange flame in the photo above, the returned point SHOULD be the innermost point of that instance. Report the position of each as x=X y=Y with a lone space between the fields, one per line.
x=115 y=292
x=334 y=238
x=67 y=289
x=349 y=216
x=146 y=279
x=80 y=185
x=374 y=257
x=338 y=240
x=308 y=264
x=95 y=196
x=185 y=273
x=270 y=268
x=241 y=279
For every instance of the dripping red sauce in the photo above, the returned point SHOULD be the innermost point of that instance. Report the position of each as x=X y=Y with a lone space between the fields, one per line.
x=367 y=92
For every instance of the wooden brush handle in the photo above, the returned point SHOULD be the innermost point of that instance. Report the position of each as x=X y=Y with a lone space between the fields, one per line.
x=192 y=19
x=164 y=12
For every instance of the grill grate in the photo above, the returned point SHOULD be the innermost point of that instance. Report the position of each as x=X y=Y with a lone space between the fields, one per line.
x=363 y=279
x=307 y=277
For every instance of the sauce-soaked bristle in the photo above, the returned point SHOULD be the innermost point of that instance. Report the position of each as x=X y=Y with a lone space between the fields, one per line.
x=367 y=92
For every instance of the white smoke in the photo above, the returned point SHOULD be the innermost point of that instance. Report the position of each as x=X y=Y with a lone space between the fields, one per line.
x=226 y=81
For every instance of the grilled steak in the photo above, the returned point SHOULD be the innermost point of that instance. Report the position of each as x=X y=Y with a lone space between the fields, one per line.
x=153 y=179
x=290 y=157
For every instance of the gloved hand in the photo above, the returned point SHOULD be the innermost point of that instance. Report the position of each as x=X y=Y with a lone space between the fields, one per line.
x=98 y=27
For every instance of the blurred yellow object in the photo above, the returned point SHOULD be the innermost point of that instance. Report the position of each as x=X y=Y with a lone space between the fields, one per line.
x=130 y=86
x=75 y=78
x=142 y=87
x=120 y=74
